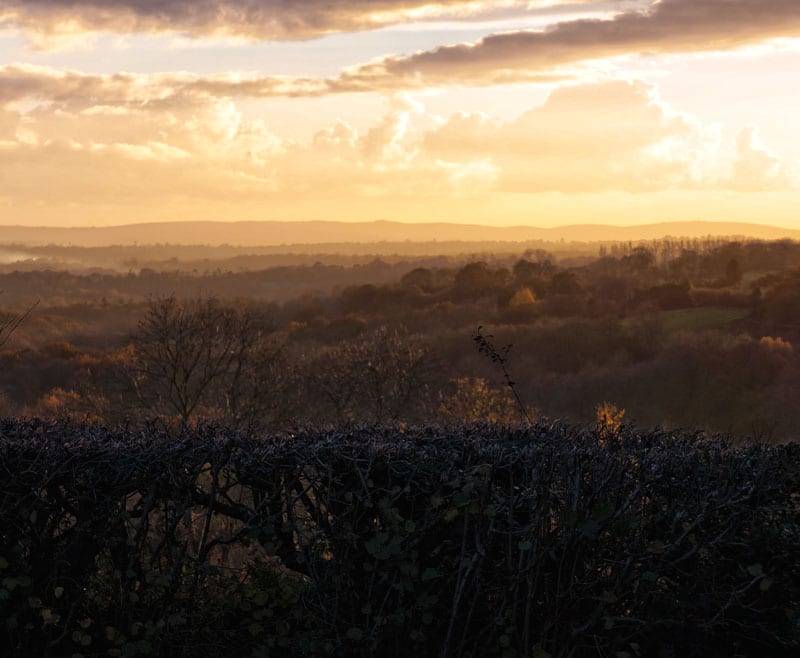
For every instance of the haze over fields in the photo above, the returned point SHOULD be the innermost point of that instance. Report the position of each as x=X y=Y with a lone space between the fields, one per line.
x=378 y=237
x=513 y=112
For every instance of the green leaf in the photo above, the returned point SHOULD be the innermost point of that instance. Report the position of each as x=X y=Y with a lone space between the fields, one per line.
x=176 y=619
x=130 y=649
x=755 y=570
x=430 y=574
x=355 y=634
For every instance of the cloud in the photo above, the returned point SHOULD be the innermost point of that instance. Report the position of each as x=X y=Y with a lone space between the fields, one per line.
x=249 y=19
x=546 y=56
x=9 y=123
x=668 y=26
x=584 y=138
x=755 y=168
x=75 y=89
x=194 y=154
x=183 y=152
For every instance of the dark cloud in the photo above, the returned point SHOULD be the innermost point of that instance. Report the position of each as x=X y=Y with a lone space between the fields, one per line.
x=255 y=19
x=670 y=26
x=76 y=90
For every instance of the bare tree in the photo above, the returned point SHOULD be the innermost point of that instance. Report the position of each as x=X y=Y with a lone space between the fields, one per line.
x=382 y=377
x=201 y=357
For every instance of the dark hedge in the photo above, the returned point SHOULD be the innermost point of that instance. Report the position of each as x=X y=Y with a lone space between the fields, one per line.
x=481 y=541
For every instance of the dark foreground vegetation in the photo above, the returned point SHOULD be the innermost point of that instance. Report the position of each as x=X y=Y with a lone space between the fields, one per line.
x=481 y=541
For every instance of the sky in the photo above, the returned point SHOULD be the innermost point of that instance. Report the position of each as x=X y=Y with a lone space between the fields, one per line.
x=534 y=112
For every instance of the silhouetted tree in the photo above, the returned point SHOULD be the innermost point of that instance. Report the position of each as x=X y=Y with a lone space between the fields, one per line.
x=381 y=377
x=196 y=356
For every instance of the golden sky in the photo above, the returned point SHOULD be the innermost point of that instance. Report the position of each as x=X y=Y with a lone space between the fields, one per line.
x=541 y=112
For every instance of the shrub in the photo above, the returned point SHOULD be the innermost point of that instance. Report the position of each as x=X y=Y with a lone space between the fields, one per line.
x=485 y=541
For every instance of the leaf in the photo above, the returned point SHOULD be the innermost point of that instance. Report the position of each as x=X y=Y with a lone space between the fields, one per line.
x=176 y=619
x=49 y=617
x=755 y=570
x=429 y=574
x=355 y=634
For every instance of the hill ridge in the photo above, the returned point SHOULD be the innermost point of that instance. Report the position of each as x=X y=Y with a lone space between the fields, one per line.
x=275 y=233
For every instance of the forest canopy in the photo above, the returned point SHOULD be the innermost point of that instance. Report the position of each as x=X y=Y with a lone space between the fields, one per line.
x=679 y=333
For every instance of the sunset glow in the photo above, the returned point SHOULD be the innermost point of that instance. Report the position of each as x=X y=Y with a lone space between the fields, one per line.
x=512 y=112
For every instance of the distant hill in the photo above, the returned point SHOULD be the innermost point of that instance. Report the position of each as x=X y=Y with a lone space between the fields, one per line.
x=252 y=234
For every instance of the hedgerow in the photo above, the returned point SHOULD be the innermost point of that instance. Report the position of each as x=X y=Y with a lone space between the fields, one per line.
x=479 y=541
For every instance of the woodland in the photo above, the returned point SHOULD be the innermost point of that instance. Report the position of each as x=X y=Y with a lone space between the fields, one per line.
x=670 y=333
x=511 y=454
